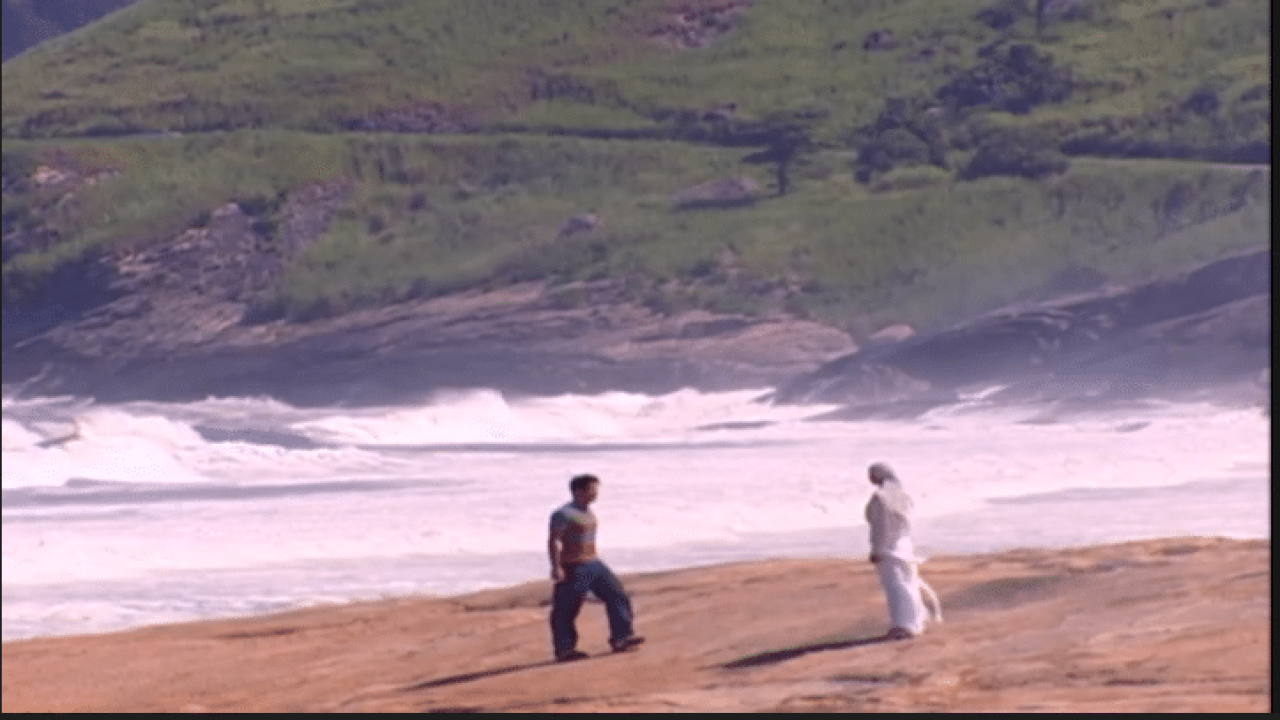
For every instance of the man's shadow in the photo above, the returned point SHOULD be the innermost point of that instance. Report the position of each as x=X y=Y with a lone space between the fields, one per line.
x=776 y=656
x=480 y=674
x=468 y=677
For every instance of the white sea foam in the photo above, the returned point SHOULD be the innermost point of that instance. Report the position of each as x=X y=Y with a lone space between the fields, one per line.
x=710 y=476
x=482 y=416
x=106 y=445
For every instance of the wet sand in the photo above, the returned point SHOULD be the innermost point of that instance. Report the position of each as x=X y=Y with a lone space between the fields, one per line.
x=1181 y=624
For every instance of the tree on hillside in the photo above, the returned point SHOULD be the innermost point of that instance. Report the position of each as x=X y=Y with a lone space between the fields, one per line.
x=1042 y=17
x=788 y=143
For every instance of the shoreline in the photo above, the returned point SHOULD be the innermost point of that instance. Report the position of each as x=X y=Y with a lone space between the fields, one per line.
x=1168 y=624
x=951 y=531
x=1081 y=517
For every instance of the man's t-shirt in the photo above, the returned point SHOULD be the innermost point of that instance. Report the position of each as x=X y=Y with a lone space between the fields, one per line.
x=577 y=529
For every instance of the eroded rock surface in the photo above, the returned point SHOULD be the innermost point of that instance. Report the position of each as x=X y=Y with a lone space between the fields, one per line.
x=1209 y=324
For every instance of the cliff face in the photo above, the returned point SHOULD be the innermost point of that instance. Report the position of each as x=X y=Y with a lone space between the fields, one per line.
x=182 y=346
x=170 y=325
x=1210 y=324
x=181 y=320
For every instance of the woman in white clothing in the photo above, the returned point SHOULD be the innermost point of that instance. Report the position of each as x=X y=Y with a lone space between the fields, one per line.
x=889 y=515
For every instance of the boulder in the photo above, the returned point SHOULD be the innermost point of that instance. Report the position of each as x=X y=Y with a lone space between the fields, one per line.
x=725 y=192
x=723 y=112
x=695 y=25
x=580 y=224
x=891 y=334
x=879 y=40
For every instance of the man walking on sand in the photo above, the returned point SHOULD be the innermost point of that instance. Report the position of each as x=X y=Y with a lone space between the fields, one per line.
x=892 y=552
x=575 y=569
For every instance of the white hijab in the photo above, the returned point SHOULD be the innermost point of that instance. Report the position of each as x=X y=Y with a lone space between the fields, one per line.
x=891 y=492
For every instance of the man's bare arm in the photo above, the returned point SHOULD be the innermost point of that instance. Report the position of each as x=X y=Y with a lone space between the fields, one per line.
x=553 y=551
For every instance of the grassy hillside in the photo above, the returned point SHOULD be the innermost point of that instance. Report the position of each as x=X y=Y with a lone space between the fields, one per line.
x=938 y=157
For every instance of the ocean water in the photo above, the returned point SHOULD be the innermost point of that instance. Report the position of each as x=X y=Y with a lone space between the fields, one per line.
x=116 y=516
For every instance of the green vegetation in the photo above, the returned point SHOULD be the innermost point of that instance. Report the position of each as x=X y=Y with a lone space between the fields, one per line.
x=971 y=153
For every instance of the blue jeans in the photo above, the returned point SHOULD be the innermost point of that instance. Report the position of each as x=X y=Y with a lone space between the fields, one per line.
x=567 y=597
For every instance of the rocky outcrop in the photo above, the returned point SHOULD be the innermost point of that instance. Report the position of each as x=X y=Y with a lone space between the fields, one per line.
x=184 y=319
x=307 y=211
x=165 y=344
x=724 y=192
x=174 y=331
x=28 y=23
x=891 y=334
x=172 y=322
x=697 y=23
x=580 y=224
x=880 y=40
x=1209 y=324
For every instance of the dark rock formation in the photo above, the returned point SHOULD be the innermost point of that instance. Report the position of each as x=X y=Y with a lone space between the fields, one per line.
x=28 y=23
x=164 y=344
x=159 y=341
x=1209 y=324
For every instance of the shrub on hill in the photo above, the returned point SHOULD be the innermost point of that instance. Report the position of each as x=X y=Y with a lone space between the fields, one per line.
x=888 y=150
x=908 y=132
x=1017 y=152
x=1015 y=78
x=1206 y=123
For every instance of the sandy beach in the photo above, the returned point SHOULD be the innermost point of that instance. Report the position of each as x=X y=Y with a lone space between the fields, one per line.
x=1180 y=624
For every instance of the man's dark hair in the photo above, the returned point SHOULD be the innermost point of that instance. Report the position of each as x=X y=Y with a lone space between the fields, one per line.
x=580 y=482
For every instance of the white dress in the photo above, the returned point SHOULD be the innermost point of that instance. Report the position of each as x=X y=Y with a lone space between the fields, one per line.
x=888 y=514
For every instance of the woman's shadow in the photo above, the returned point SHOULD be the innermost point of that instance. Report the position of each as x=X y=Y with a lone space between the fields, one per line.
x=776 y=656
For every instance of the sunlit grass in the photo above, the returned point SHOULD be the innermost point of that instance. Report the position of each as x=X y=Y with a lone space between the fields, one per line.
x=265 y=93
